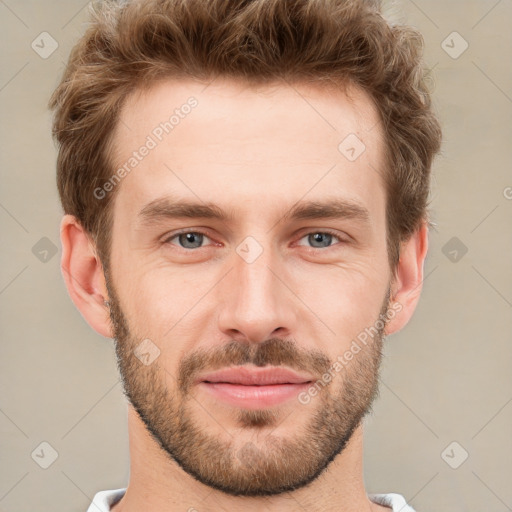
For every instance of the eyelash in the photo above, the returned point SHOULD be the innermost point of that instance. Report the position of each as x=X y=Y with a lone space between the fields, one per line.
x=199 y=232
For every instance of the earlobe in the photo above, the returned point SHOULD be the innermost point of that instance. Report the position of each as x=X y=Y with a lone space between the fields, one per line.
x=83 y=274
x=406 y=289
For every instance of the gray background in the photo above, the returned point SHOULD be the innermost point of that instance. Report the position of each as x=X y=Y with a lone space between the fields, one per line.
x=446 y=377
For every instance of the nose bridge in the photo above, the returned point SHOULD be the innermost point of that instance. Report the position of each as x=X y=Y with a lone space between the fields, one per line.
x=256 y=283
x=255 y=303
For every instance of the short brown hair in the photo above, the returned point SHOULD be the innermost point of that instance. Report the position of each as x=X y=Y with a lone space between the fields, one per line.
x=130 y=45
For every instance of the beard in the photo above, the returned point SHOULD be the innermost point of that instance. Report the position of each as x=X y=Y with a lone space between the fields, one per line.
x=270 y=464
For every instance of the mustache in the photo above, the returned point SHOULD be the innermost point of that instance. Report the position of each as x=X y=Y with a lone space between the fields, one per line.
x=272 y=352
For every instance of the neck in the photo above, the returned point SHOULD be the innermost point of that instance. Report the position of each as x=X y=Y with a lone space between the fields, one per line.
x=158 y=483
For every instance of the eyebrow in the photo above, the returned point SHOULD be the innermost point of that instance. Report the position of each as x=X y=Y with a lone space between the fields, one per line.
x=329 y=209
x=335 y=208
x=169 y=208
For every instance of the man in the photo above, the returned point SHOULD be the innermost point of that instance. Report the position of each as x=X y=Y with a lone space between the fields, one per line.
x=245 y=189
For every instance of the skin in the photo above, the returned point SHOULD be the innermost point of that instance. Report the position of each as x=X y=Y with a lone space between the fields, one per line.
x=255 y=152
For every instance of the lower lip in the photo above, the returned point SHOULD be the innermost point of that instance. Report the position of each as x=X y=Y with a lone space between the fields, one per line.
x=253 y=397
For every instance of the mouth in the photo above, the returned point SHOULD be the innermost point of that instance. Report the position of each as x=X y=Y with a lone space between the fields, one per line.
x=254 y=388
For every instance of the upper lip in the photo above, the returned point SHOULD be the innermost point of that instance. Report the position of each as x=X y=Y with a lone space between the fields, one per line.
x=256 y=376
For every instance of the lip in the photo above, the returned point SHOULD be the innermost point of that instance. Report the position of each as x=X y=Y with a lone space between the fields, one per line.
x=256 y=376
x=254 y=388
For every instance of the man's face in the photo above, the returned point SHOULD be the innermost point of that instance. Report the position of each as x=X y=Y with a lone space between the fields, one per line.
x=264 y=287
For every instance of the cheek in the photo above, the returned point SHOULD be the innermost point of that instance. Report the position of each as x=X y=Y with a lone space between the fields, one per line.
x=346 y=299
x=165 y=303
x=148 y=302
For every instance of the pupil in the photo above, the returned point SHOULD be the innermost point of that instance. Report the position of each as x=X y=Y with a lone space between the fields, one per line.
x=189 y=239
x=322 y=237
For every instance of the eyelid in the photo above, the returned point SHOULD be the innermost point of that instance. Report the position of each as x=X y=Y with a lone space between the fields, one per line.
x=328 y=231
x=169 y=236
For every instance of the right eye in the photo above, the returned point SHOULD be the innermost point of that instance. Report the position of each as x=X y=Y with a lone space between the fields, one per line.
x=188 y=239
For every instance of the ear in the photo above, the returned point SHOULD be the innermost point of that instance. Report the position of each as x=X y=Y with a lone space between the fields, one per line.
x=83 y=275
x=408 y=283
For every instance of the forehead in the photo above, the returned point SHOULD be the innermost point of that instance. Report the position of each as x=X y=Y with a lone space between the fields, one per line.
x=248 y=147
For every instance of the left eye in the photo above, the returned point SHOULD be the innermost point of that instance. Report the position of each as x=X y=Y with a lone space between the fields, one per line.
x=320 y=239
x=189 y=239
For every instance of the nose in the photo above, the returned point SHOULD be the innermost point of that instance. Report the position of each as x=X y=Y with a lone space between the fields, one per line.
x=255 y=301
